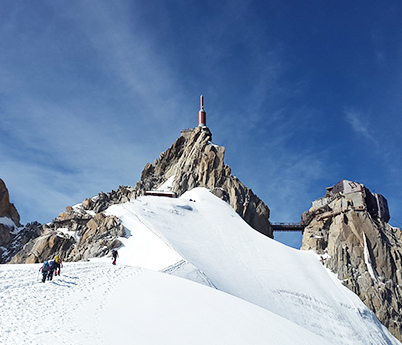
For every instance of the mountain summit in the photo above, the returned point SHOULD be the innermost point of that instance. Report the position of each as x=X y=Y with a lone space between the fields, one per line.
x=83 y=231
x=194 y=161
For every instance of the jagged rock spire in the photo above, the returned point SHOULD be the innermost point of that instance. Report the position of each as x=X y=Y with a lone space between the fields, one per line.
x=196 y=162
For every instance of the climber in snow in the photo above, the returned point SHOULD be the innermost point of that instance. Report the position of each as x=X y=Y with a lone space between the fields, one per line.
x=51 y=270
x=45 y=270
x=115 y=255
x=57 y=265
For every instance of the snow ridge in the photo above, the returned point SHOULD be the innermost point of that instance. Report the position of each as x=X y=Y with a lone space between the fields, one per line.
x=186 y=270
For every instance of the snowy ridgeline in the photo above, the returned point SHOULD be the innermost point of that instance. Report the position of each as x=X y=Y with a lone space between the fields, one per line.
x=191 y=271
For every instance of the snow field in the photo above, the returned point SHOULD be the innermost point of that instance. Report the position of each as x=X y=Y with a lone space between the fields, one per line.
x=97 y=303
x=223 y=283
x=212 y=238
x=32 y=312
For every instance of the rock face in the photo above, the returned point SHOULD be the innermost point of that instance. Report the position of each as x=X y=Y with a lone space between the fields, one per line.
x=104 y=200
x=98 y=238
x=78 y=233
x=12 y=234
x=11 y=219
x=6 y=208
x=75 y=235
x=363 y=250
x=193 y=161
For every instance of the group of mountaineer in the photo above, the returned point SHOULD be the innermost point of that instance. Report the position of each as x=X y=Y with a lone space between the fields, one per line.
x=54 y=266
x=50 y=267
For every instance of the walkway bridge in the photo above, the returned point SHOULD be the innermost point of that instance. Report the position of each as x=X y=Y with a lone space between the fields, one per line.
x=287 y=227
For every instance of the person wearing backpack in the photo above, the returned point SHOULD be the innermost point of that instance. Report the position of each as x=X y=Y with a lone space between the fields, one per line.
x=45 y=270
x=51 y=269
x=115 y=255
x=57 y=265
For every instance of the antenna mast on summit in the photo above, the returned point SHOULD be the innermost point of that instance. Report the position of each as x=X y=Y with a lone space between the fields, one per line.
x=202 y=115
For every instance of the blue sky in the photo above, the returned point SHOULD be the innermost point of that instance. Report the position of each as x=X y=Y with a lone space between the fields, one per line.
x=301 y=94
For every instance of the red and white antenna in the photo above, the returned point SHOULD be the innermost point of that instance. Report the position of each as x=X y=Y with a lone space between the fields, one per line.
x=202 y=115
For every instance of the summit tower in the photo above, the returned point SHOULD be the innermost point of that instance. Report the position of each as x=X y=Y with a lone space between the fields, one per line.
x=202 y=115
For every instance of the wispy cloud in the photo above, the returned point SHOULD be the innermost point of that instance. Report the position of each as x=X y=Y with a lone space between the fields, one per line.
x=86 y=110
x=360 y=125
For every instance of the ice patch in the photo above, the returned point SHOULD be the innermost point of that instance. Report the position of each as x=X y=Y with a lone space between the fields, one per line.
x=167 y=185
x=367 y=259
x=70 y=233
x=7 y=222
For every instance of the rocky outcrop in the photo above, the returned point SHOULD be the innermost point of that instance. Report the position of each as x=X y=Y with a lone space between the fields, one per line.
x=98 y=238
x=363 y=250
x=21 y=237
x=6 y=236
x=8 y=209
x=104 y=200
x=13 y=236
x=78 y=233
x=43 y=248
x=74 y=235
x=193 y=161
x=9 y=219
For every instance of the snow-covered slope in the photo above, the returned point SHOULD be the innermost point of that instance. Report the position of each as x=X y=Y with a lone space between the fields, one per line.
x=97 y=303
x=253 y=290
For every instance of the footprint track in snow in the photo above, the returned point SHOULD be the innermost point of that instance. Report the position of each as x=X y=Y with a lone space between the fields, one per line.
x=88 y=284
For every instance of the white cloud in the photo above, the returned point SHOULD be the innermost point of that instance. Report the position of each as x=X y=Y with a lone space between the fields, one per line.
x=360 y=125
x=86 y=110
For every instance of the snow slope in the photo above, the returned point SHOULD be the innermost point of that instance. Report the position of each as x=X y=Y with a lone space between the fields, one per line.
x=97 y=303
x=239 y=287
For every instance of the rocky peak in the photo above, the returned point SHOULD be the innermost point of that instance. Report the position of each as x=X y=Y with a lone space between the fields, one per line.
x=194 y=161
x=355 y=241
x=8 y=209
x=12 y=234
